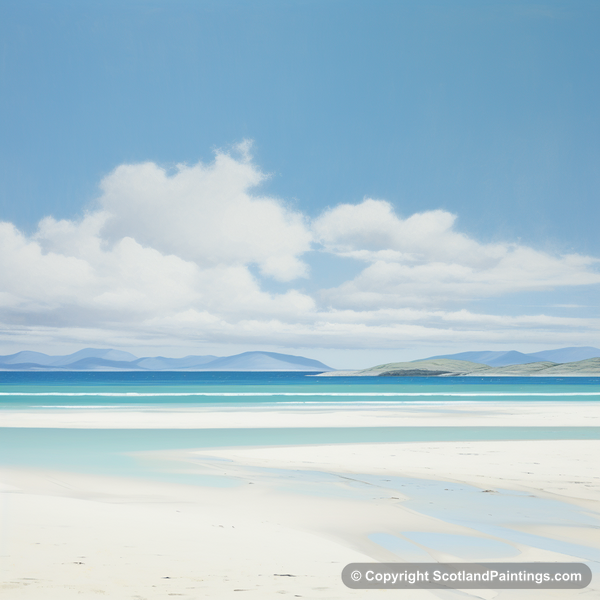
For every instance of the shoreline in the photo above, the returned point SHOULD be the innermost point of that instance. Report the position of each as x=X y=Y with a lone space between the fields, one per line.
x=514 y=375
x=427 y=413
x=297 y=514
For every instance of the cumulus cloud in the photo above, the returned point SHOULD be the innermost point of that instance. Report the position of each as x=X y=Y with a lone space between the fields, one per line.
x=187 y=255
x=423 y=259
x=206 y=213
x=159 y=244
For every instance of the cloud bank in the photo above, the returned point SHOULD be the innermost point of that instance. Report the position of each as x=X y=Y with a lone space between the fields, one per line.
x=188 y=255
x=424 y=260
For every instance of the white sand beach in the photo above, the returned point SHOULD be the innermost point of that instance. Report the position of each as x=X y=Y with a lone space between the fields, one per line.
x=374 y=414
x=296 y=515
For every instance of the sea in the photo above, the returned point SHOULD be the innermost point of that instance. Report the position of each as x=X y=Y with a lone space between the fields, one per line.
x=97 y=448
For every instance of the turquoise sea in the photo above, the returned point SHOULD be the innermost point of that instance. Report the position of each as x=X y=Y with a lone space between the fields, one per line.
x=105 y=450
x=53 y=389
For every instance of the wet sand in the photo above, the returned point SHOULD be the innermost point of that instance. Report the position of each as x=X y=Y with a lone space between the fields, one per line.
x=291 y=517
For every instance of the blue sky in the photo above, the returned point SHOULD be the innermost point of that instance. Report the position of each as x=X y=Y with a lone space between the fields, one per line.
x=423 y=176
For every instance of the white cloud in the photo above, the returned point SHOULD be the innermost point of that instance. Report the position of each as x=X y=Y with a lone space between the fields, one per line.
x=169 y=258
x=125 y=280
x=205 y=213
x=371 y=230
x=422 y=259
x=159 y=244
x=196 y=329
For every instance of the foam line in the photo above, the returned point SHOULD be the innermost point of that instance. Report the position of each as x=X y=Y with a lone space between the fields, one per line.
x=336 y=394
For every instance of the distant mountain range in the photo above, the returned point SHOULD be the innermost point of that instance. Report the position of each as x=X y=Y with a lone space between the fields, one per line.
x=512 y=357
x=491 y=364
x=93 y=359
x=488 y=362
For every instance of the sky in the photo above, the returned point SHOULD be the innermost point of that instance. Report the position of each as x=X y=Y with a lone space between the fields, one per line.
x=353 y=181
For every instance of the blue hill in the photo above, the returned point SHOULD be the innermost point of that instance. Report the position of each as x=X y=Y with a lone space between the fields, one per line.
x=93 y=359
x=572 y=354
x=512 y=357
x=265 y=361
